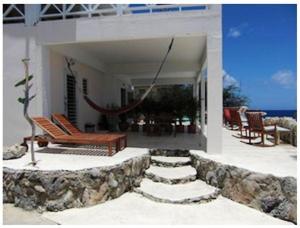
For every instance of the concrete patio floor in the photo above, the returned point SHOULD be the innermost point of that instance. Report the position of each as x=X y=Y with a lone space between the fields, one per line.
x=280 y=160
x=17 y=216
x=132 y=208
x=235 y=151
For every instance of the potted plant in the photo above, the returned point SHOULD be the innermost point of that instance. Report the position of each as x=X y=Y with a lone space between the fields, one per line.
x=103 y=123
x=179 y=112
x=191 y=112
x=123 y=125
x=134 y=126
x=89 y=127
x=113 y=119
x=167 y=110
x=147 y=108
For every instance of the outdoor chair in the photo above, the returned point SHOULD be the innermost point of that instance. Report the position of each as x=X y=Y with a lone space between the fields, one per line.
x=227 y=114
x=256 y=125
x=66 y=125
x=242 y=125
x=63 y=122
x=56 y=135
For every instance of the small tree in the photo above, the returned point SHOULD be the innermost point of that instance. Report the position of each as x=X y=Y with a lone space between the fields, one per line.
x=191 y=109
x=25 y=101
x=232 y=97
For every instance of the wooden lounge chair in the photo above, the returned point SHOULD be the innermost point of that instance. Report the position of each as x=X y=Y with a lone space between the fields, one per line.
x=256 y=125
x=66 y=125
x=56 y=135
x=63 y=122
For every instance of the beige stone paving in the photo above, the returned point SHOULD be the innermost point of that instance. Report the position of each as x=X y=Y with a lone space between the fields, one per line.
x=132 y=208
x=17 y=216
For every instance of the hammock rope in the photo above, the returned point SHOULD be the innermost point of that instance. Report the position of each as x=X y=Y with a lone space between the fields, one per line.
x=132 y=105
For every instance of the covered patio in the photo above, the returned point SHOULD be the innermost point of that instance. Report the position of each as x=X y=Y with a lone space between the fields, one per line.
x=132 y=64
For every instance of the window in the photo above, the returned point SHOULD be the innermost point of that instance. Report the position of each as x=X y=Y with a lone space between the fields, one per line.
x=85 y=86
x=71 y=104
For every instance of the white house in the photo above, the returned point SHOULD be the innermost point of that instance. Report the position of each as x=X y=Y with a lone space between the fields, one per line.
x=113 y=47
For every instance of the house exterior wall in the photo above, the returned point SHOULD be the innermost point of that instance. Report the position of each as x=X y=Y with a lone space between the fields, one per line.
x=49 y=69
x=103 y=89
x=131 y=27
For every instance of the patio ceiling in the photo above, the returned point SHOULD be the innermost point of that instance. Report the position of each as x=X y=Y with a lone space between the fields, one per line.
x=140 y=59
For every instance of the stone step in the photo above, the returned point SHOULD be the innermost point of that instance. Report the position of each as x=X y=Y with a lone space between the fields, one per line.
x=193 y=192
x=169 y=153
x=163 y=161
x=173 y=175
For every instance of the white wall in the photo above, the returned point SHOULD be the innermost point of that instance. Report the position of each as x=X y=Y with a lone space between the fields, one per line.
x=15 y=126
x=49 y=71
x=103 y=89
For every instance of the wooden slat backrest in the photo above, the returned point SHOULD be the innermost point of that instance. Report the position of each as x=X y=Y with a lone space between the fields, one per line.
x=49 y=127
x=255 y=120
x=235 y=116
x=226 y=113
x=66 y=124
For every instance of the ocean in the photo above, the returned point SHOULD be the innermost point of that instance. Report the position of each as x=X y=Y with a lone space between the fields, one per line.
x=281 y=113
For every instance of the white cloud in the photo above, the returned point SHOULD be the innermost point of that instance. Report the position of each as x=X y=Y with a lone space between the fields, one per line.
x=284 y=78
x=234 y=33
x=229 y=80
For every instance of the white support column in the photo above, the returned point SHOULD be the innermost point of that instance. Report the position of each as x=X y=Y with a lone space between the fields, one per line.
x=119 y=9
x=196 y=96
x=32 y=14
x=42 y=72
x=202 y=110
x=196 y=89
x=214 y=94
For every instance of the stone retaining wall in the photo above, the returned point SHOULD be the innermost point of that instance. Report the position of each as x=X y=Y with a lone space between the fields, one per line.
x=273 y=195
x=59 y=190
x=286 y=122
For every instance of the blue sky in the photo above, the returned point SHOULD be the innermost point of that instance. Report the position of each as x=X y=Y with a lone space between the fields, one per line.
x=259 y=53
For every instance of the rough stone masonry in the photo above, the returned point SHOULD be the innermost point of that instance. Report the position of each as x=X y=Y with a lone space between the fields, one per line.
x=59 y=190
x=273 y=195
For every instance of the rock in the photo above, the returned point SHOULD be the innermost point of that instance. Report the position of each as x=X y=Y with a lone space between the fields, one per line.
x=103 y=189
x=216 y=177
x=286 y=211
x=135 y=168
x=61 y=203
x=289 y=186
x=127 y=169
x=39 y=188
x=285 y=122
x=269 y=203
x=95 y=173
x=59 y=185
x=111 y=181
x=13 y=152
x=91 y=196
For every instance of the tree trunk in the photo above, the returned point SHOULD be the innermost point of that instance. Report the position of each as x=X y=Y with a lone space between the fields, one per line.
x=25 y=112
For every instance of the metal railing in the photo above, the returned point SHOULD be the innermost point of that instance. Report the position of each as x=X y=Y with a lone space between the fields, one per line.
x=14 y=13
